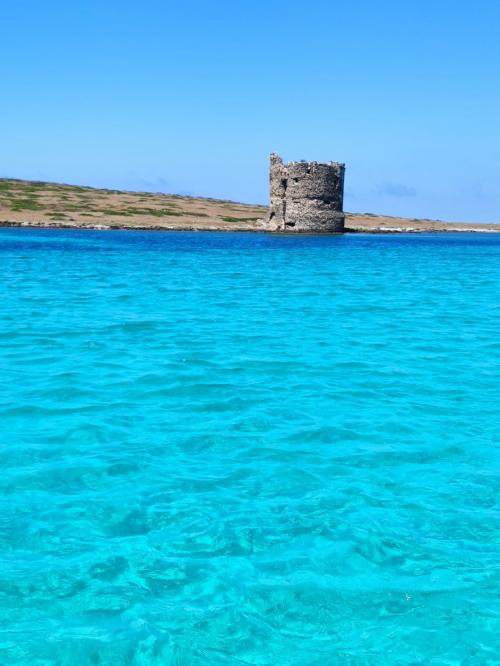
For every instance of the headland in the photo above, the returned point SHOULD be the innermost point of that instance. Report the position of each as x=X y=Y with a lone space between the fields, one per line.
x=26 y=203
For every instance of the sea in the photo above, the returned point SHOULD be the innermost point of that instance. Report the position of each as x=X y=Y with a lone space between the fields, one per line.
x=249 y=449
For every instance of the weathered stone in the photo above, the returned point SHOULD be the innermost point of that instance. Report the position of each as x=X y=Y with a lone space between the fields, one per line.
x=306 y=196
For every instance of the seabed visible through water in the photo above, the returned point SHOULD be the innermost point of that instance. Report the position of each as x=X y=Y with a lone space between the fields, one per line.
x=249 y=449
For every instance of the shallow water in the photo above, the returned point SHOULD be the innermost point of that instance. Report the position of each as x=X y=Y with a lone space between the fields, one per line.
x=249 y=449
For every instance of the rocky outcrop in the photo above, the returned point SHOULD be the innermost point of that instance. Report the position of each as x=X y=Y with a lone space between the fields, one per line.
x=306 y=196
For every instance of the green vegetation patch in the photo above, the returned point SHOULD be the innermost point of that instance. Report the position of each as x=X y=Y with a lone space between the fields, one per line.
x=114 y=211
x=240 y=219
x=25 y=204
x=156 y=212
x=6 y=186
x=128 y=212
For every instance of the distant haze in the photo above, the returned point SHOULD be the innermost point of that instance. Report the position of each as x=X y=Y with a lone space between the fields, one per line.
x=192 y=97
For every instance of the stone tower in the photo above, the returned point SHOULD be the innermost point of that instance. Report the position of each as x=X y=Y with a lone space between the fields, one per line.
x=306 y=196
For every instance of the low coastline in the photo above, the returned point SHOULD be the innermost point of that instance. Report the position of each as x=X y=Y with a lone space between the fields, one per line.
x=31 y=204
x=422 y=228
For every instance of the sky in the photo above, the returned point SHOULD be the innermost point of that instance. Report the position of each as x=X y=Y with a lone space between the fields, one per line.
x=191 y=97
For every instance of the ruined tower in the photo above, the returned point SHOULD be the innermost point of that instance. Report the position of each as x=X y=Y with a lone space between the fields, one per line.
x=306 y=196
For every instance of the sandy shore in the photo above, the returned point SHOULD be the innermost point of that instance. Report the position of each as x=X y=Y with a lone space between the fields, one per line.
x=50 y=205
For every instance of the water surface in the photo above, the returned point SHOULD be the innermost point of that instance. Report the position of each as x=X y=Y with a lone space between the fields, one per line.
x=249 y=449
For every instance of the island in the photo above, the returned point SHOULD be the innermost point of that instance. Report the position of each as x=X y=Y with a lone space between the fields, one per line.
x=25 y=203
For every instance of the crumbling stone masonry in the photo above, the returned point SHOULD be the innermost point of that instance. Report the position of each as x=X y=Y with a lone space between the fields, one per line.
x=306 y=196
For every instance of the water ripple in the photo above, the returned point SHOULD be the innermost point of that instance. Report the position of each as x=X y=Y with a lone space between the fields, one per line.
x=248 y=449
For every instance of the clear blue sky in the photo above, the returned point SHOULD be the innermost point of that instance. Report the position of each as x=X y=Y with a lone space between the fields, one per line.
x=192 y=96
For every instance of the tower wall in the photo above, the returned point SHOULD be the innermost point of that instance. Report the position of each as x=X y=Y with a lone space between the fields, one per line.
x=306 y=196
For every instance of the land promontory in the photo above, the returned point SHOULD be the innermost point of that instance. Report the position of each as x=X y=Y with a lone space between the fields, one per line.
x=39 y=204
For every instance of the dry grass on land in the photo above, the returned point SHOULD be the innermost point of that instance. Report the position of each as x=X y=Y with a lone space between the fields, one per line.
x=31 y=203
x=51 y=205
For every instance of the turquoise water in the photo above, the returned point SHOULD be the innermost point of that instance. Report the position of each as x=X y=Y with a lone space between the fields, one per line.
x=249 y=449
